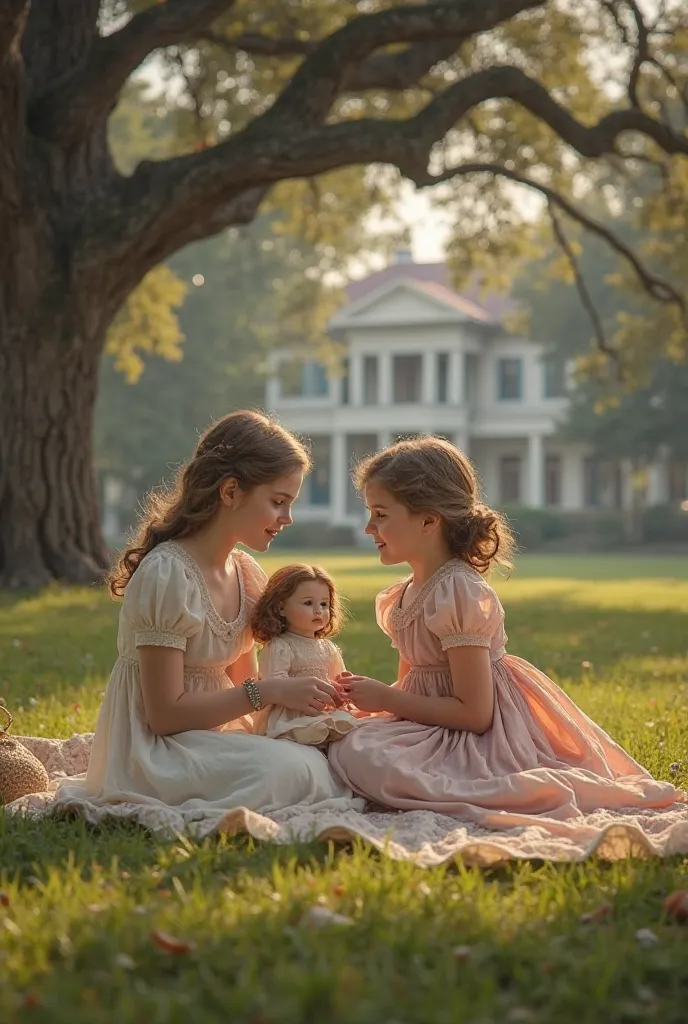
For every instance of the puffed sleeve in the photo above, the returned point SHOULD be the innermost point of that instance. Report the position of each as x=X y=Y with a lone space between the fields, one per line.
x=463 y=610
x=253 y=577
x=385 y=601
x=275 y=659
x=162 y=602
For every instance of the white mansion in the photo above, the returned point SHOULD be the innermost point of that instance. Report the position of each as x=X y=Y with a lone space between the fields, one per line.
x=421 y=358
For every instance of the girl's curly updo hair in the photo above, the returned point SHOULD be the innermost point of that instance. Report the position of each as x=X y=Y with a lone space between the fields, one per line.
x=267 y=621
x=245 y=445
x=428 y=474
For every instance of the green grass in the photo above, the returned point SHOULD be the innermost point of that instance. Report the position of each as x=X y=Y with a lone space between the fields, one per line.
x=74 y=940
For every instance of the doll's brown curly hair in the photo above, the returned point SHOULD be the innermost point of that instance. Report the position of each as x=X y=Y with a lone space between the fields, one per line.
x=267 y=621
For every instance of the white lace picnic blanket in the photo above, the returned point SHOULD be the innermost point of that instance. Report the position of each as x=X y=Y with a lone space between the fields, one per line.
x=424 y=837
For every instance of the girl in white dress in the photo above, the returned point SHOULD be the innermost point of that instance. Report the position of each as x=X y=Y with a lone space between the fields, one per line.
x=297 y=612
x=172 y=736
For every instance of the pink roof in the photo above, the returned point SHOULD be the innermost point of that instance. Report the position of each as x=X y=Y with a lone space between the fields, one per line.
x=438 y=291
x=436 y=281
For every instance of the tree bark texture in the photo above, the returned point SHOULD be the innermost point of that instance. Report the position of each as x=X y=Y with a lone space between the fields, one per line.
x=52 y=319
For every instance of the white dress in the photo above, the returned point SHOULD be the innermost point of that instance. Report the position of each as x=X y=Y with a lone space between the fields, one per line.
x=199 y=774
x=293 y=655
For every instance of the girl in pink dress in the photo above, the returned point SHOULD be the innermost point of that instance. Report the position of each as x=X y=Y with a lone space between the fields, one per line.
x=467 y=729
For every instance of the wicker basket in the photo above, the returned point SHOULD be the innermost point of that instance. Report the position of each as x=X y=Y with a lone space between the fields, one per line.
x=20 y=771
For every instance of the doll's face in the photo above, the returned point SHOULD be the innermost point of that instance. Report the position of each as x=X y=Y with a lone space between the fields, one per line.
x=307 y=611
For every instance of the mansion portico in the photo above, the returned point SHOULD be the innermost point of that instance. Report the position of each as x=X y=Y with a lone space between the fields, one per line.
x=420 y=358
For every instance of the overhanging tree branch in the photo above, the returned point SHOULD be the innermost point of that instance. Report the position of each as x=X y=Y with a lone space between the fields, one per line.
x=581 y=286
x=394 y=71
x=658 y=288
x=161 y=198
x=258 y=45
x=641 y=46
x=165 y=201
x=310 y=95
x=70 y=110
x=265 y=152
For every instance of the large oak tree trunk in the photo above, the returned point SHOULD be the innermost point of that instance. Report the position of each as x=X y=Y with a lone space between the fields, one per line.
x=49 y=517
x=53 y=316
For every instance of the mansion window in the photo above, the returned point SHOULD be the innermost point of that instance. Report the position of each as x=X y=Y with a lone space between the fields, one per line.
x=319 y=479
x=592 y=482
x=510 y=379
x=406 y=375
x=345 y=382
x=510 y=479
x=303 y=379
x=553 y=480
x=442 y=378
x=358 y=446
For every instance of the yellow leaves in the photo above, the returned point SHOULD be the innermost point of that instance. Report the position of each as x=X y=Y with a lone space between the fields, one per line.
x=147 y=324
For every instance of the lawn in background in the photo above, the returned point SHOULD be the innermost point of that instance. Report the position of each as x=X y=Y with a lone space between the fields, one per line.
x=81 y=903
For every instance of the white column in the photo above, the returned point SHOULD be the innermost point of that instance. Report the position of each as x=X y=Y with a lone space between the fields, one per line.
x=536 y=471
x=571 y=479
x=272 y=391
x=356 y=379
x=384 y=438
x=658 y=483
x=455 y=389
x=627 y=484
x=384 y=378
x=428 y=391
x=461 y=440
x=339 y=478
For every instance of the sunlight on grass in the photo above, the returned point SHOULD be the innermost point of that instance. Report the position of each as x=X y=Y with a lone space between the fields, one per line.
x=81 y=903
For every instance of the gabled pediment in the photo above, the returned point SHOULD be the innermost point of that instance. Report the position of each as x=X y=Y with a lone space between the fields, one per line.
x=407 y=302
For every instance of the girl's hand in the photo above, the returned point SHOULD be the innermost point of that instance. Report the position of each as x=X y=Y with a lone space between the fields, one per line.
x=307 y=694
x=364 y=693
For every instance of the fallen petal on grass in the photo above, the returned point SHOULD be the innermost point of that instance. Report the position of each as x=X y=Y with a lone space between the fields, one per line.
x=461 y=953
x=646 y=938
x=601 y=913
x=676 y=906
x=322 y=917
x=125 y=961
x=171 y=944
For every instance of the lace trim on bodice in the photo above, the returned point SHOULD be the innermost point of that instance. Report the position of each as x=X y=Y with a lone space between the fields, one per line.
x=321 y=646
x=222 y=628
x=319 y=671
x=400 y=617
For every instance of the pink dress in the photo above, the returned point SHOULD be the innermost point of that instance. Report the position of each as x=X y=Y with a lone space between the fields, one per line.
x=541 y=757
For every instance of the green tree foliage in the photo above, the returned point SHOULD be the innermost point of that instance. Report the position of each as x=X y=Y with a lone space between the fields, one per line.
x=192 y=341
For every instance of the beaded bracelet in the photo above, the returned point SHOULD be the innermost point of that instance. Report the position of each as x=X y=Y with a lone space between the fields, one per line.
x=253 y=694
